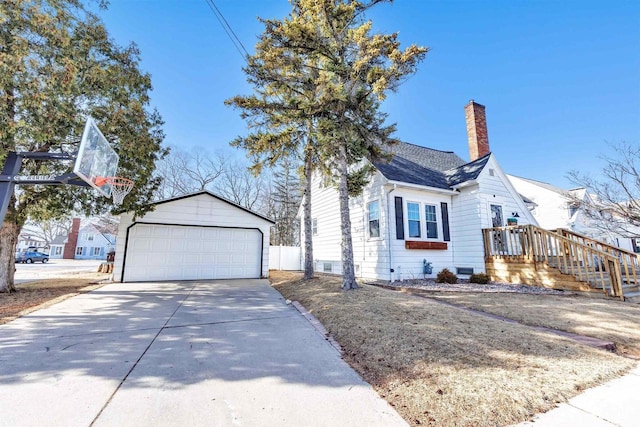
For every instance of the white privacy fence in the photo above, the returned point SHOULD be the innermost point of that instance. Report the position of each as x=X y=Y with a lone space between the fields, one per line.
x=285 y=258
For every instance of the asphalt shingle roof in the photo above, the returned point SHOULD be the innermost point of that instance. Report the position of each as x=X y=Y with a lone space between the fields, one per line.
x=414 y=164
x=466 y=172
x=59 y=240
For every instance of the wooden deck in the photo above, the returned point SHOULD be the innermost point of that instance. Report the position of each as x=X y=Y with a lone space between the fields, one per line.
x=560 y=259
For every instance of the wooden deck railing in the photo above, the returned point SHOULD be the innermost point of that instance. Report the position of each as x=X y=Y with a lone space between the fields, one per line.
x=629 y=261
x=571 y=255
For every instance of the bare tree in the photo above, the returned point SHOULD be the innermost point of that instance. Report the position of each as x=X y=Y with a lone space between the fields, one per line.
x=614 y=202
x=185 y=172
x=239 y=185
x=106 y=224
x=47 y=230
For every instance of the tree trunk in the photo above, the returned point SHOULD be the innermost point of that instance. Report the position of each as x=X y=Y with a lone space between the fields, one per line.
x=308 y=232
x=8 y=240
x=348 y=273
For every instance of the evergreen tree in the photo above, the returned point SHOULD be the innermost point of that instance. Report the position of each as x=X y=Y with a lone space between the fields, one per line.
x=286 y=197
x=323 y=66
x=58 y=66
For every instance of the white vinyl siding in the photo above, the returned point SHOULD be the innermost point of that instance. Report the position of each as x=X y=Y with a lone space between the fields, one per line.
x=201 y=210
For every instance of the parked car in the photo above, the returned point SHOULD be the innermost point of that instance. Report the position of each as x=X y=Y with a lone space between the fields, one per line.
x=31 y=257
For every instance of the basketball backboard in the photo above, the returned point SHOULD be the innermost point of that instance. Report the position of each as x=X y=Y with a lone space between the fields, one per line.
x=95 y=158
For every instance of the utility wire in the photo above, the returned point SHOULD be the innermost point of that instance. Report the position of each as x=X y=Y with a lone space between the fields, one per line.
x=228 y=30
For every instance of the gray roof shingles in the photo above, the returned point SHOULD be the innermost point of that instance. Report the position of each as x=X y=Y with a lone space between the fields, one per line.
x=414 y=164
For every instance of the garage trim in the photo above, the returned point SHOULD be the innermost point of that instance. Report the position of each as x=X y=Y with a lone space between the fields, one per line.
x=126 y=241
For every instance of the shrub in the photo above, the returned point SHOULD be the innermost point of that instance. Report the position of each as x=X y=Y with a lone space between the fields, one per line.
x=481 y=278
x=446 y=276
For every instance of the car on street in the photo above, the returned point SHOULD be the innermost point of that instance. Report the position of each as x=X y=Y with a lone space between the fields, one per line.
x=31 y=257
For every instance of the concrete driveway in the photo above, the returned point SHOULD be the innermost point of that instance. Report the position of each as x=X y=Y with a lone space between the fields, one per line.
x=187 y=353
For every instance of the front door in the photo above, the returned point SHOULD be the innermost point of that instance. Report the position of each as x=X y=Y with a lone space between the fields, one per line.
x=498 y=235
x=496 y=216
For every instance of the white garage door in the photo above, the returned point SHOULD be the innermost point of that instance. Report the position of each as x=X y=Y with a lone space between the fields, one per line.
x=169 y=252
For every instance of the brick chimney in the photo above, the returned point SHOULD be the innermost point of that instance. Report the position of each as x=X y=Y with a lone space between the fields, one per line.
x=476 y=130
x=72 y=240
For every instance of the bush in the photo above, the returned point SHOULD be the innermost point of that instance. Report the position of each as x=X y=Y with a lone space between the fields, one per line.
x=481 y=278
x=446 y=276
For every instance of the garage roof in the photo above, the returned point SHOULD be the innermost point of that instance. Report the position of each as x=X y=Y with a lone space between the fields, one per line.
x=209 y=193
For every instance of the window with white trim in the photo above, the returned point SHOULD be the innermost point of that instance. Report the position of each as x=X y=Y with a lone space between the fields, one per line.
x=89 y=237
x=314 y=226
x=374 y=218
x=431 y=221
x=413 y=219
x=79 y=250
x=58 y=250
x=96 y=251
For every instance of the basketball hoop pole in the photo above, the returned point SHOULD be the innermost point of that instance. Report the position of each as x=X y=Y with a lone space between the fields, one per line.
x=10 y=176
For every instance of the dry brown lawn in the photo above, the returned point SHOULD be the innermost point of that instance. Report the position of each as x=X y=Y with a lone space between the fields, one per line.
x=31 y=296
x=606 y=319
x=438 y=365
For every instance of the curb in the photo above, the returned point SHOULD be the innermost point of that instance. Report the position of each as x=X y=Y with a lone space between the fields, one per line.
x=318 y=326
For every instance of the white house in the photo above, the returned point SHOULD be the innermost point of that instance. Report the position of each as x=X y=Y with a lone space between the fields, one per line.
x=198 y=236
x=26 y=241
x=554 y=207
x=424 y=205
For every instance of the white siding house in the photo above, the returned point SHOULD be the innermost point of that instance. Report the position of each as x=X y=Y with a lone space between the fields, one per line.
x=409 y=214
x=194 y=237
x=424 y=205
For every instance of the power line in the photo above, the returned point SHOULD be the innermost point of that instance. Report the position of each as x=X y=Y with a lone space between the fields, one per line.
x=228 y=30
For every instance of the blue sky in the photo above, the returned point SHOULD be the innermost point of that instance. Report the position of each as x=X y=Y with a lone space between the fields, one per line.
x=559 y=79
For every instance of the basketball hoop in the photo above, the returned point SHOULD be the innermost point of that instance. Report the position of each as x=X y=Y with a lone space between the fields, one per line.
x=120 y=187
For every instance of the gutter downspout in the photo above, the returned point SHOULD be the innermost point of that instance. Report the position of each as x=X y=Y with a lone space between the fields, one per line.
x=389 y=232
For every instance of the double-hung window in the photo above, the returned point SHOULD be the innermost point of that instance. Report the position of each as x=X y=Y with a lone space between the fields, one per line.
x=413 y=218
x=374 y=219
x=314 y=226
x=431 y=221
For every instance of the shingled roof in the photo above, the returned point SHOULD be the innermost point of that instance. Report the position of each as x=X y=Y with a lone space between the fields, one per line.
x=414 y=164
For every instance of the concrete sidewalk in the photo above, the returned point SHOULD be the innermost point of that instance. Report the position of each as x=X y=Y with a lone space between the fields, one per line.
x=191 y=353
x=616 y=403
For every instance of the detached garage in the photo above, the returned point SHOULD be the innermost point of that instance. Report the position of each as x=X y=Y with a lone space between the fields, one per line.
x=199 y=236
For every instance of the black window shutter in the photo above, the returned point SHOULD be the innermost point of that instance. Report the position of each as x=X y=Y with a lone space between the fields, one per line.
x=399 y=219
x=444 y=209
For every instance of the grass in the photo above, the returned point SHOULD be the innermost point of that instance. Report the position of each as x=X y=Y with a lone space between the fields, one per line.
x=31 y=296
x=609 y=320
x=441 y=366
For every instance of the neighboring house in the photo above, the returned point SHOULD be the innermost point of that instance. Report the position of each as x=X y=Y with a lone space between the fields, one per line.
x=27 y=241
x=554 y=208
x=57 y=247
x=92 y=243
x=64 y=246
x=88 y=242
x=424 y=205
